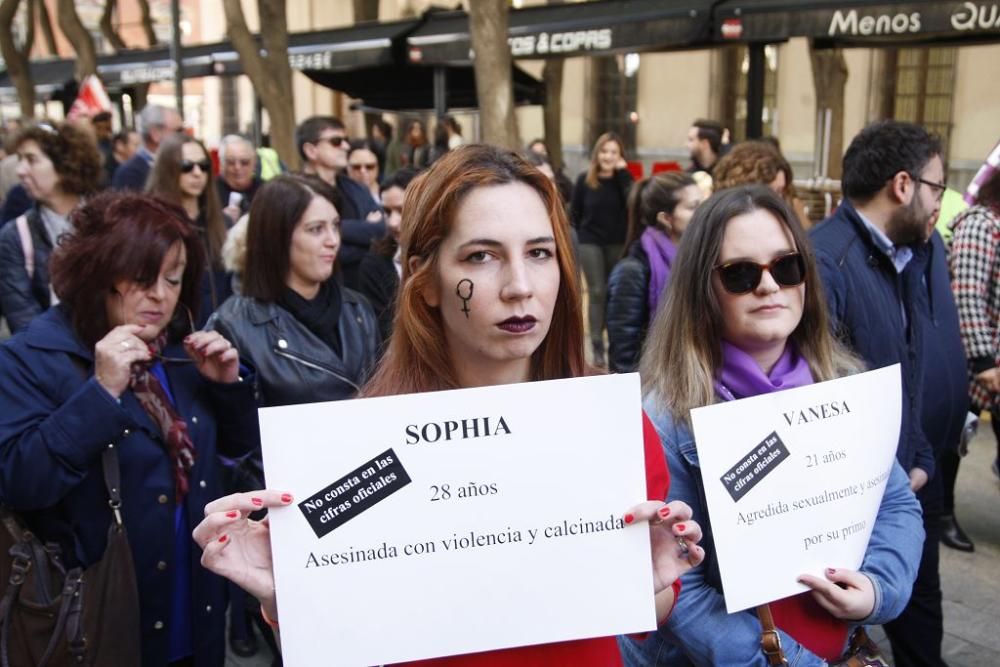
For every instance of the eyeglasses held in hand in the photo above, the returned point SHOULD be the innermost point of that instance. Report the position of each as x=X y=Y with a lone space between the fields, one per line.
x=744 y=276
x=156 y=355
x=187 y=166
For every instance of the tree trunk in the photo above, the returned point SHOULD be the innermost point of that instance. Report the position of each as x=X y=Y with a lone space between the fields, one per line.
x=76 y=33
x=365 y=10
x=270 y=73
x=108 y=30
x=552 y=75
x=46 y=22
x=830 y=79
x=16 y=59
x=488 y=28
x=147 y=22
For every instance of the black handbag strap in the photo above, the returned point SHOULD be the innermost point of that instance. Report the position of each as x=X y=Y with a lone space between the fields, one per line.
x=113 y=480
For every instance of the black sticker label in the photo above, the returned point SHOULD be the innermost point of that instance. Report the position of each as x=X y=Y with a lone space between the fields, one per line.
x=755 y=466
x=359 y=490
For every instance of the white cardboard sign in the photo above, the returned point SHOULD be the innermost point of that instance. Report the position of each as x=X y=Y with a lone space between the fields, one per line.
x=456 y=522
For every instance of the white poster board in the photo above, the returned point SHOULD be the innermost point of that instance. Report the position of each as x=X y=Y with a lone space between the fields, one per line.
x=794 y=479
x=457 y=522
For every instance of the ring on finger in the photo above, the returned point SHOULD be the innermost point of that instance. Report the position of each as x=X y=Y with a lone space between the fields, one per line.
x=126 y=344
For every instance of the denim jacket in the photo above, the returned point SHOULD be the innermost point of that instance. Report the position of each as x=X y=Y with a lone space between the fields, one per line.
x=700 y=632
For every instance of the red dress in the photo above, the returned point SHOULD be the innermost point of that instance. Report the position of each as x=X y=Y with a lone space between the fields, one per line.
x=599 y=652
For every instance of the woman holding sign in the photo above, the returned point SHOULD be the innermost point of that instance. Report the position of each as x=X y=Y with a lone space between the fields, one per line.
x=745 y=316
x=488 y=297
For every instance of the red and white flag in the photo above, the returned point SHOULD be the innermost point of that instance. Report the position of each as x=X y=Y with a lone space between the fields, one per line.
x=92 y=99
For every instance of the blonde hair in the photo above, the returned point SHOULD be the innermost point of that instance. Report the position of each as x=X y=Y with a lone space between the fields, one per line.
x=595 y=167
x=683 y=353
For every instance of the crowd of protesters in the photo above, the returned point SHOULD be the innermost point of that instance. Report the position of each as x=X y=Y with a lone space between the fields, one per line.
x=157 y=296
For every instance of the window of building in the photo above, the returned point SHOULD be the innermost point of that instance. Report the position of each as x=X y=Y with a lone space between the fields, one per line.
x=924 y=81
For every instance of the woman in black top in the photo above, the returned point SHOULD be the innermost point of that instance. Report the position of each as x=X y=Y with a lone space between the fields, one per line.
x=599 y=215
x=308 y=338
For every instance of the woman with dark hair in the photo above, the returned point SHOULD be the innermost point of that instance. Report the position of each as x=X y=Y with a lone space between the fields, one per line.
x=362 y=167
x=378 y=277
x=745 y=315
x=416 y=148
x=308 y=338
x=182 y=174
x=117 y=361
x=485 y=214
x=659 y=210
x=599 y=214
x=58 y=166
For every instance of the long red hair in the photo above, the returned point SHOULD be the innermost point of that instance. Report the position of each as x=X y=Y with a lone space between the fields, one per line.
x=417 y=359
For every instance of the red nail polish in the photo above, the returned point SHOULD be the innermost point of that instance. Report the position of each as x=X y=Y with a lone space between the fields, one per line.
x=680 y=528
x=286 y=497
x=664 y=512
x=257 y=501
x=223 y=538
x=233 y=514
x=629 y=518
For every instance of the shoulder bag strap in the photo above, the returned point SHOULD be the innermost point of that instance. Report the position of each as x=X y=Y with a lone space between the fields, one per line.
x=770 y=640
x=112 y=480
x=27 y=245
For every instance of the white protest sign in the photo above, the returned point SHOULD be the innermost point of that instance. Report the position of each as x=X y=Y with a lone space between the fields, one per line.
x=456 y=522
x=794 y=479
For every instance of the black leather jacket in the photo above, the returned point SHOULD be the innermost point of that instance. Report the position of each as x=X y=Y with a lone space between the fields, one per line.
x=23 y=298
x=292 y=364
x=627 y=310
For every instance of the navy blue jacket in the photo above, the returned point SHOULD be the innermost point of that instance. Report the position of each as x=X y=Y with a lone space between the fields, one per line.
x=946 y=378
x=132 y=174
x=55 y=420
x=866 y=299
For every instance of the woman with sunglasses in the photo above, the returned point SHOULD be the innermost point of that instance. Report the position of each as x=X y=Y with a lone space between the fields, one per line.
x=362 y=167
x=483 y=214
x=182 y=174
x=745 y=315
x=117 y=362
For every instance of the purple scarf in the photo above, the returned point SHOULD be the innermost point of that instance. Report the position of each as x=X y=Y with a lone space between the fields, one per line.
x=661 y=252
x=741 y=377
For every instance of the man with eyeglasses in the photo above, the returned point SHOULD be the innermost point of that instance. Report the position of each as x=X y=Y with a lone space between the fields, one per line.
x=154 y=123
x=238 y=175
x=323 y=145
x=886 y=281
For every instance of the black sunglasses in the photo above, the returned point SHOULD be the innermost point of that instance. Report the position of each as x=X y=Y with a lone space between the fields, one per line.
x=187 y=166
x=744 y=276
x=334 y=141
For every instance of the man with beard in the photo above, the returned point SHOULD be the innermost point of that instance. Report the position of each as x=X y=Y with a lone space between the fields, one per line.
x=886 y=282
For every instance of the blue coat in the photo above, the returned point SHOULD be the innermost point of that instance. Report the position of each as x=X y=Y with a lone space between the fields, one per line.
x=55 y=419
x=866 y=299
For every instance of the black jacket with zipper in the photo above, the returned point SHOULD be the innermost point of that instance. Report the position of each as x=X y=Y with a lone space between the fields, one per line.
x=293 y=365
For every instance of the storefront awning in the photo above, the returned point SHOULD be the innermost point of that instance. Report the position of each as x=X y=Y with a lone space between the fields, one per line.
x=859 y=22
x=573 y=29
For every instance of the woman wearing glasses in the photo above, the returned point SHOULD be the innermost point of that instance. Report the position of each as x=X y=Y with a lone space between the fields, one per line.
x=117 y=362
x=745 y=315
x=362 y=167
x=182 y=174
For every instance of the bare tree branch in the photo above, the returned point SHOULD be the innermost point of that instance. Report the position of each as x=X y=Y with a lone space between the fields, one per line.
x=79 y=37
x=108 y=30
x=46 y=23
x=15 y=59
x=147 y=23
x=269 y=72
x=830 y=81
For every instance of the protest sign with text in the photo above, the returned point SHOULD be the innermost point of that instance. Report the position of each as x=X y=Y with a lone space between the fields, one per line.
x=794 y=480
x=456 y=522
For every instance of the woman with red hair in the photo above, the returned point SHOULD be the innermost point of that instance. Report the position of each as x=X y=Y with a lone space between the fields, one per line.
x=481 y=216
x=117 y=363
